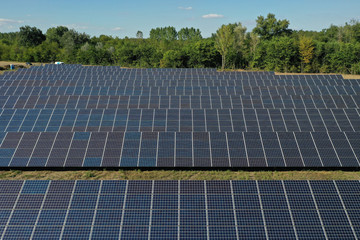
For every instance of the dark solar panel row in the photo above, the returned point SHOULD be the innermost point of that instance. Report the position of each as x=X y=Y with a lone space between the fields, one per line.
x=67 y=73
x=184 y=102
x=102 y=80
x=180 y=149
x=179 y=210
x=172 y=120
x=180 y=91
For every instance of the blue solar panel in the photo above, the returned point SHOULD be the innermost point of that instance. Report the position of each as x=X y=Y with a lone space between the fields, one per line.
x=189 y=209
x=98 y=117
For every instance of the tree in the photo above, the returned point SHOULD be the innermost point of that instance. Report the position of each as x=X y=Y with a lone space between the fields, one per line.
x=281 y=54
x=166 y=33
x=9 y=38
x=340 y=57
x=224 y=41
x=240 y=34
x=171 y=59
x=72 y=39
x=46 y=52
x=111 y=51
x=139 y=35
x=4 y=51
x=87 y=54
x=146 y=55
x=254 y=41
x=270 y=27
x=77 y=38
x=202 y=54
x=270 y=46
x=70 y=42
x=355 y=30
x=30 y=36
x=54 y=34
x=306 y=50
x=189 y=34
x=238 y=52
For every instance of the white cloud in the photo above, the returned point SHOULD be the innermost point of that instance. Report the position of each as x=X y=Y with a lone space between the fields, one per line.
x=76 y=26
x=4 y=21
x=185 y=8
x=117 y=29
x=213 y=15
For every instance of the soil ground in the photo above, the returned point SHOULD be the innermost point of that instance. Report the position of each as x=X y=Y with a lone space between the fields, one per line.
x=345 y=76
x=179 y=175
x=6 y=63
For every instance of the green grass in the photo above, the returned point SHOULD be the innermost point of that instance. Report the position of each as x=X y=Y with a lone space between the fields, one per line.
x=178 y=175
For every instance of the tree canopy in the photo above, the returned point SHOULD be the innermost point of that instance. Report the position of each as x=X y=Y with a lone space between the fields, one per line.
x=270 y=27
x=30 y=36
x=55 y=34
x=166 y=33
x=271 y=45
x=191 y=34
x=224 y=41
x=139 y=35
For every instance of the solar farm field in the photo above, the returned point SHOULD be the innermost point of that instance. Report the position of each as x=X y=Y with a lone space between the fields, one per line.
x=73 y=116
x=163 y=154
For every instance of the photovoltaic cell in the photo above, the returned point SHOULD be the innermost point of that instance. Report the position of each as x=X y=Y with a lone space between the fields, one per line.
x=181 y=209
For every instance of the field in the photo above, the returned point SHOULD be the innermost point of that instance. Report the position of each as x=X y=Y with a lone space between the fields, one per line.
x=348 y=76
x=178 y=175
x=345 y=76
x=5 y=63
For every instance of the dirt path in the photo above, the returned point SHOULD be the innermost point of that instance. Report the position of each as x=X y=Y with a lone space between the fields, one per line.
x=179 y=175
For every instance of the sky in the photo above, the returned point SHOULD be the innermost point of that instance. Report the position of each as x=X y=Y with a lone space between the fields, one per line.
x=120 y=18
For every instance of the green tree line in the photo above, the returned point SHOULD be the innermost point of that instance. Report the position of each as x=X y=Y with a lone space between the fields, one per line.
x=270 y=46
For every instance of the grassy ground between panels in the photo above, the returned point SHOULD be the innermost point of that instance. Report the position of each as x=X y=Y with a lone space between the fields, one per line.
x=349 y=76
x=5 y=64
x=178 y=175
x=345 y=76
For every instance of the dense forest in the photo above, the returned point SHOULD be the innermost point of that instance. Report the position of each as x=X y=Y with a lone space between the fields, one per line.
x=271 y=46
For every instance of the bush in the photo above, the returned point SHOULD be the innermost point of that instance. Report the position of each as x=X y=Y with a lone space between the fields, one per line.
x=171 y=59
x=355 y=68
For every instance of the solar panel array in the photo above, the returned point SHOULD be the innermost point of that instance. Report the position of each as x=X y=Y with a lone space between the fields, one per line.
x=77 y=116
x=179 y=210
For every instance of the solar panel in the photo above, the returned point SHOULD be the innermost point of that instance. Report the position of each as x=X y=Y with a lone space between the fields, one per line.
x=179 y=209
x=72 y=116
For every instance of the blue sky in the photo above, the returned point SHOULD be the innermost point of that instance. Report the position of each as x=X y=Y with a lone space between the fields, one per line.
x=124 y=18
